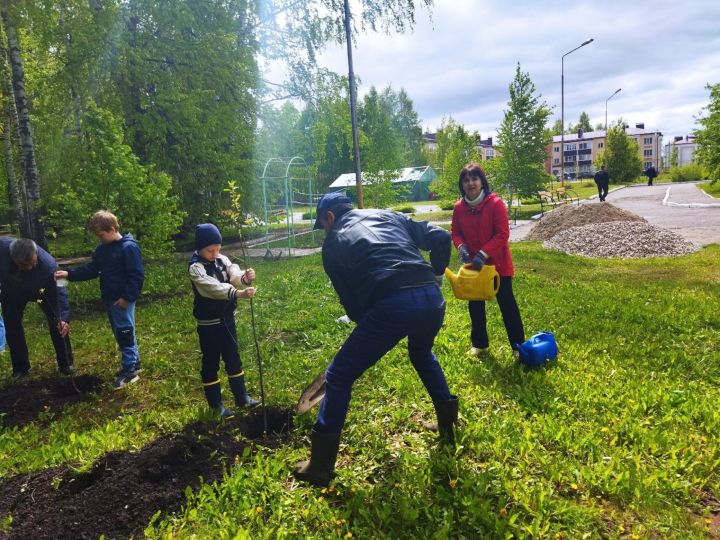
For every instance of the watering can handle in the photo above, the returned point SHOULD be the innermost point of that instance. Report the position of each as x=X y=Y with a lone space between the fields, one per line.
x=496 y=282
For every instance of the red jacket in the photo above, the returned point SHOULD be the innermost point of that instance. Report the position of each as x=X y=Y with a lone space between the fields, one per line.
x=485 y=227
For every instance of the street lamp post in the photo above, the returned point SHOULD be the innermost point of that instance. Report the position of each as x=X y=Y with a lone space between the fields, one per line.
x=606 y=101
x=562 y=109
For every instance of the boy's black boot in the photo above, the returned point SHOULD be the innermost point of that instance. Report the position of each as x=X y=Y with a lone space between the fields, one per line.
x=320 y=468
x=447 y=414
x=237 y=385
x=213 y=394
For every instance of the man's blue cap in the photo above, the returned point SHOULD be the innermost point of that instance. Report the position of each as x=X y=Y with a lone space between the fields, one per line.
x=327 y=202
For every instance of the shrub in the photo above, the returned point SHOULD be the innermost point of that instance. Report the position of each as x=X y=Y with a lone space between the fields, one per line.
x=405 y=209
x=446 y=205
x=685 y=173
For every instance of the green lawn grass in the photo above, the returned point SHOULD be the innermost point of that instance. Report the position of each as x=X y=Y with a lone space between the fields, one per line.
x=620 y=438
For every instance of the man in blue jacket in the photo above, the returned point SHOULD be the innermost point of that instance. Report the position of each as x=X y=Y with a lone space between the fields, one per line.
x=118 y=263
x=26 y=274
x=385 y=285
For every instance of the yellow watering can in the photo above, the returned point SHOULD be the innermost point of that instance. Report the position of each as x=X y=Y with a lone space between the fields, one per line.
x=470 y=284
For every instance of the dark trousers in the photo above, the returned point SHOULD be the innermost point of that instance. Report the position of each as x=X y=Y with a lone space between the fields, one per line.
x=216 y=341
x=510 y=314
x=602 y=190
x=416 y=313
x=13 y=310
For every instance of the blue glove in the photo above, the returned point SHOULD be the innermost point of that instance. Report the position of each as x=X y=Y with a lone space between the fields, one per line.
x=479 y=260
x=464 y=254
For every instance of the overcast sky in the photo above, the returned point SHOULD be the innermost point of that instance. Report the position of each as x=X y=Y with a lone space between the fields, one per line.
x=460 y=59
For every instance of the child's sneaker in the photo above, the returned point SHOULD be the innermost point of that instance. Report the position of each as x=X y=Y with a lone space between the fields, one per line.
x=123 y=378
x=477 y=351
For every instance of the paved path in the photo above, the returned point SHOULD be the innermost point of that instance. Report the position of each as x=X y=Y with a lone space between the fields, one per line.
x=682 y=208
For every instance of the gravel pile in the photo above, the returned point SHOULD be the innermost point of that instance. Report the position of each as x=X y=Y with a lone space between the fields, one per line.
x=568 y=216
x=623 y=239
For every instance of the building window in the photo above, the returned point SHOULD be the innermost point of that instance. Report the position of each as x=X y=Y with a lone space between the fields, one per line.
x=647 y=140
x=556 y=161
x=648 y=164
x=556 y=149
x=600 y=145
x=570 y=147
x=647 y=152
x=583 y=146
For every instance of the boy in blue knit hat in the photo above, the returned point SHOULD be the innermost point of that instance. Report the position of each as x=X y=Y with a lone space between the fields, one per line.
x=217 y=284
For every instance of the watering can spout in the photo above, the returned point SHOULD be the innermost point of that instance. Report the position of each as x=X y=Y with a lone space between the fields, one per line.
x=452 y=278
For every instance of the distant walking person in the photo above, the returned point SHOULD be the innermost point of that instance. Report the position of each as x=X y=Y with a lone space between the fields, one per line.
x=602 y=179
x=118 y=263
x=26 y=275
x=651 y=174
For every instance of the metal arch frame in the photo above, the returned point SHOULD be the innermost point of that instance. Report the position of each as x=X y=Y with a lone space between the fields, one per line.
x=297 y=161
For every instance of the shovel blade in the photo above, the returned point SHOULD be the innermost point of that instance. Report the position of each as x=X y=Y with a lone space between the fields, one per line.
x=313 y=394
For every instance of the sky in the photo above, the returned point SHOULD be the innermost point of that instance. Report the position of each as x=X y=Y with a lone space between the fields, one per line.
x=461 y=57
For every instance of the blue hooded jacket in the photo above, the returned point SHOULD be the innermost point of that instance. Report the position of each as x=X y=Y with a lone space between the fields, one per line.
x=37 y=283
x=120 y=267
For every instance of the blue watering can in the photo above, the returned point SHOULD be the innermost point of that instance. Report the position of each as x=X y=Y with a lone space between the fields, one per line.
x=538 y=349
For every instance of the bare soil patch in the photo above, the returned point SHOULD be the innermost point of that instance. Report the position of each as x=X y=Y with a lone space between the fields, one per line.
x=569 y=216
x=23 y=402
x=119 y=496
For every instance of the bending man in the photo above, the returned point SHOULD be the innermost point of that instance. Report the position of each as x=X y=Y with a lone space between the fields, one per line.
x=372 y=258
x=26 y=274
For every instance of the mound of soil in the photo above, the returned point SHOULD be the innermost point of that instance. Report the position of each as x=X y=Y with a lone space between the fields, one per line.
x=568 y=216
x=120 y=494
x=21 y=403
x=623 y=239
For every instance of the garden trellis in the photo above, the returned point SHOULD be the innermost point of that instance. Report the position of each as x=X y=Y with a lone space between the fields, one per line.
x=286 y=183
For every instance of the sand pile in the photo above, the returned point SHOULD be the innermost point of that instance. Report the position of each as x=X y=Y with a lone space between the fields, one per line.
x=568 y=216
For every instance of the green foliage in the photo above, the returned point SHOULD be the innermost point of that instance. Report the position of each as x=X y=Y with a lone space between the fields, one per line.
x=685 y=173
x=405 y=209
x=447 y=205
x=583 y=123
x=522 y=140
x=620 y=155
x=708 y=136
x=106 y=174
x=456 y=147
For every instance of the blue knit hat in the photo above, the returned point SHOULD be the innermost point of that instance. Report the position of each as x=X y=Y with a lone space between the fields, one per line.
x=206 y=234
x=327 y=202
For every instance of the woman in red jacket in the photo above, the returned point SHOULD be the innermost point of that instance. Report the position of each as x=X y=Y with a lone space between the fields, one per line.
x=481 y=233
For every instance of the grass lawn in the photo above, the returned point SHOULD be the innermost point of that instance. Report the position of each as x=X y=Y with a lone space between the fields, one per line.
x=620 y=438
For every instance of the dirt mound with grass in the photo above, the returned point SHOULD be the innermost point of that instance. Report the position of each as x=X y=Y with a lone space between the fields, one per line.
x=572 y=215
x=43 y=399
x=622 y=239
x=122 y=492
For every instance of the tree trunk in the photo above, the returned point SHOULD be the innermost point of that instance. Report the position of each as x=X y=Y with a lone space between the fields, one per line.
x=10 y=123
x=27 y=147
x=73 y=93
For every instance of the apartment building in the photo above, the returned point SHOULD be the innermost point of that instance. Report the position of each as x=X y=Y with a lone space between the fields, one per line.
x=684 y=149
x=484 y=146
x=582 y=149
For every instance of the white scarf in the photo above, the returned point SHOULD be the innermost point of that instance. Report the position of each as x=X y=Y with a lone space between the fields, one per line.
x=473 y=203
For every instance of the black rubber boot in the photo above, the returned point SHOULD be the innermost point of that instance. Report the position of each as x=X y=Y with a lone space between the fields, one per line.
x=213 y=394
x=242 y=399
x=447 y=414
x=320 y=468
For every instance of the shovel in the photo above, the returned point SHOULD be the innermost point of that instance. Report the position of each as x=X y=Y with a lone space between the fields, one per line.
x=313 y=394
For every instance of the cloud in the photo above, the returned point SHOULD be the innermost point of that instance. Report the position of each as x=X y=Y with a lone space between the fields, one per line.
x=460 y=61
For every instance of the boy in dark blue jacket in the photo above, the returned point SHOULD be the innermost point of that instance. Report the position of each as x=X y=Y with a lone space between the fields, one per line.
x=118 y=263
x=26 y=275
